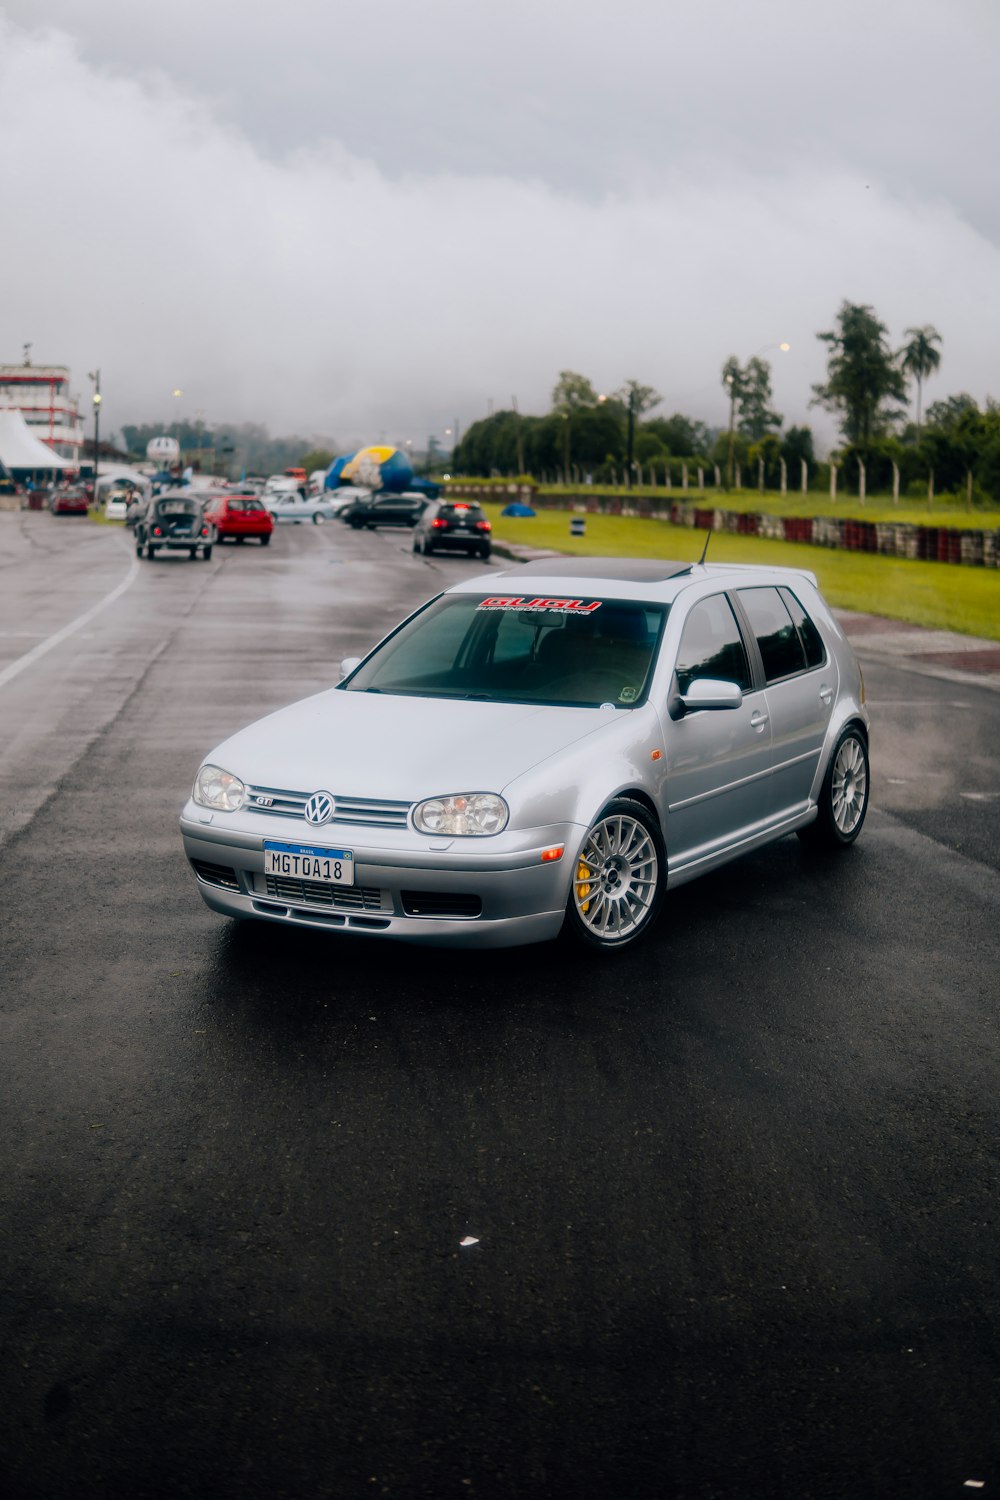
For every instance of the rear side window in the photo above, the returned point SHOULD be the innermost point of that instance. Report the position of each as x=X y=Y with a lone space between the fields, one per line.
x=711 y=646
x=812 y=641
x=781 y=647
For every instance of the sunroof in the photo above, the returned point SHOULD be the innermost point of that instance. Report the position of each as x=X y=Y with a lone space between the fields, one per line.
x=623 y=569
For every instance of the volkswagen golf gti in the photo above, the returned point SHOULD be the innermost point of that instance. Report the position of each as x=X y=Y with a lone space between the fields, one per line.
x=551 y=750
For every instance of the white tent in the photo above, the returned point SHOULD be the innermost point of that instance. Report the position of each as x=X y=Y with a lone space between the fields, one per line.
x=20 y=449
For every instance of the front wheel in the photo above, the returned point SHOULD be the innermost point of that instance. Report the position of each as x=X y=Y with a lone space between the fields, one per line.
x=619 y=877
x=318 y=518
x=843 y=800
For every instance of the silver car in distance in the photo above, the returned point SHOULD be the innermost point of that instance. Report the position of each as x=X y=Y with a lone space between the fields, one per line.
x=556 y=747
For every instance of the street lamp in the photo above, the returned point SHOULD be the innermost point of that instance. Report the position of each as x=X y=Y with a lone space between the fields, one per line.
x=177 y=394
x=95 y=376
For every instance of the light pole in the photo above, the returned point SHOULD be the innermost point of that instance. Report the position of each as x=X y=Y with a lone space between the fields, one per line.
x=177 y=394
x=95 y=376
x=630 y=435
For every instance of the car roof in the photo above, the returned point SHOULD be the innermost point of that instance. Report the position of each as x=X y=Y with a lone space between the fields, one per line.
x=623 y=577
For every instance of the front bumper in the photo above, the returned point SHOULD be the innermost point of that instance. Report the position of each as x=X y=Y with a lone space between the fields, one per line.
x=449 y=893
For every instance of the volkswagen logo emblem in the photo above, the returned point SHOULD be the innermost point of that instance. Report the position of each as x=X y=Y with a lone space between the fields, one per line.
x=319 y=808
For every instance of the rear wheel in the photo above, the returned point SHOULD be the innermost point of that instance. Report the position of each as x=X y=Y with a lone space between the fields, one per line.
x=843 y=800
x=318 y=518
x=264 y=540
x=239 y=541
x=150 y=550
x=192 y=553
x=619 y=877
x=206 y=552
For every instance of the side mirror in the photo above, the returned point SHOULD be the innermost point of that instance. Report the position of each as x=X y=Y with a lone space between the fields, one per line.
x=348 y=664
x=705 y=693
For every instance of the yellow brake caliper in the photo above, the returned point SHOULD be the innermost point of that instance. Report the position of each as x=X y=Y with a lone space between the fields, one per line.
x=583 y=875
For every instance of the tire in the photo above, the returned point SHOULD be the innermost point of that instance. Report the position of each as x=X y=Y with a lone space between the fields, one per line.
x=206 y=552
x=484 y=553
x=843 y=799
x=265 y=541
x=138 y=549
x=318 y=518
x=192 y=553
x=619 y=878
x=239 y=540
x=417 y=546
x=150 y=550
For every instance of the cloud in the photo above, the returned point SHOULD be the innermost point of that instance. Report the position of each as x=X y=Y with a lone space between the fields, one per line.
x=314 y=288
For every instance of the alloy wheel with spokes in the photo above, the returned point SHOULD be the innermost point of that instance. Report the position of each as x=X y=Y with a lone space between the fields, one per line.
x=617 y=884
x=843 y=799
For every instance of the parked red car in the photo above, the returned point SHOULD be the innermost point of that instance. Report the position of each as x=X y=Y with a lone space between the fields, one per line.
x=71 y=502
x=236 y=517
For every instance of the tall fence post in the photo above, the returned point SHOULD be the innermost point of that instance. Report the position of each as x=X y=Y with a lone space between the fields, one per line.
x=784 y=476
x=895 y=482
x=684 y=476
x=930 y=488
x=760 y=475
x=805 y=475
x=718 y=476
x=701 y=477
x=739 y=477
x=861 y=481
x=833 y=481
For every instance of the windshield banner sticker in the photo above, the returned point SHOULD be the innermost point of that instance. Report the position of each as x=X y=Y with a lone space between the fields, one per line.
x=564 y=606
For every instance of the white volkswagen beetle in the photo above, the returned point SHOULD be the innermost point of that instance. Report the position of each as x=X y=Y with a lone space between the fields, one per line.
x=557 y=749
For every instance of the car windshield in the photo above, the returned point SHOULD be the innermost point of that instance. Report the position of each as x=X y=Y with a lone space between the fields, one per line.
x=245 y=504
x=578 y=652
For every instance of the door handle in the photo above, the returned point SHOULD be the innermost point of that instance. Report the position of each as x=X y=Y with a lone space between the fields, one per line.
x=758 y=719
x=826 y=694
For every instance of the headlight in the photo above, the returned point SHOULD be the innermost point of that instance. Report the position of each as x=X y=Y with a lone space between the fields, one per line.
x=470 y=813
x=216 y=788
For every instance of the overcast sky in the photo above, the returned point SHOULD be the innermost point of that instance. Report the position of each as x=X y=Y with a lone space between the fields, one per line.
x=367 y=221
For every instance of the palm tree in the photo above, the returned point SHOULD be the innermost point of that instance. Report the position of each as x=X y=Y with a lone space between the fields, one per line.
x=919 y=358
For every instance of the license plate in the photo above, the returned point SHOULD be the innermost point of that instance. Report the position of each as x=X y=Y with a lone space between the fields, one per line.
x=307 y=862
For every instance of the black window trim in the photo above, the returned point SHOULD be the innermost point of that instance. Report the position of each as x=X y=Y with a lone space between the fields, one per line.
x=750 y=639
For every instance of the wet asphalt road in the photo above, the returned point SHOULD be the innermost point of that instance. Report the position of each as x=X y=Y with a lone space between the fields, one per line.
x=734 y=1194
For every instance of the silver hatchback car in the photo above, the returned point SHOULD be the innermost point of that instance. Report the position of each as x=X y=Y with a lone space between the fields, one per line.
x=554 y=747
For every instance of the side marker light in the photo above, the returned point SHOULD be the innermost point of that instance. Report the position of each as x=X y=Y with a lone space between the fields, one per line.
x=548 y=855
x=656 y=754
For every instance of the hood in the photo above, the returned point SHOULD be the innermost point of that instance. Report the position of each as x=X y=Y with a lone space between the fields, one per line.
x=401 y=749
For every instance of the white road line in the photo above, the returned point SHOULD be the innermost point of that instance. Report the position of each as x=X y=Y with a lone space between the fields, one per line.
x=51 y=642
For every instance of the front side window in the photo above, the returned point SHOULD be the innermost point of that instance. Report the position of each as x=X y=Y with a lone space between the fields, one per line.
x=580 y=652
x=781 y=647
x=711 y=646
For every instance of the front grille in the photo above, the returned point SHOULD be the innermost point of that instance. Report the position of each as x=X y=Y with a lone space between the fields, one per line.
x=220 y=875
x=369 y=811
x=440 y=904
x=318 y=893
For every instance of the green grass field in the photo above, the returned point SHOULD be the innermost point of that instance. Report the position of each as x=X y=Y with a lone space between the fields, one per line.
x=946 y=510
x=939 y=595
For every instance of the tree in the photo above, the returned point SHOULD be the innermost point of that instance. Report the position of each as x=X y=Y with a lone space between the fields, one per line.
x=572 y=392
x=946 y=413
x=317 y=458
x=919 y=358
x=863 y=379
x=680 y=436
x=749 y=390
x=756 y=419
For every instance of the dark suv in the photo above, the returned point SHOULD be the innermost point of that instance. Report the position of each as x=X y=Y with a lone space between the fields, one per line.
x=385 y=510
x=453 y=526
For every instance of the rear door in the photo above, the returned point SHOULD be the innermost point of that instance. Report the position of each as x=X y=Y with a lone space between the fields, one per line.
x=801 y=687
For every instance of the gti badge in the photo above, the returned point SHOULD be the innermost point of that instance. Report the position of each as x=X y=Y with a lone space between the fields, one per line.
x=264 y=801
x=319 y=808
